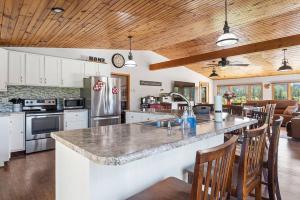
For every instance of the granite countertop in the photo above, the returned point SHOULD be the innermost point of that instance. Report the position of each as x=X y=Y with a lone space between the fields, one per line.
x=123 y=143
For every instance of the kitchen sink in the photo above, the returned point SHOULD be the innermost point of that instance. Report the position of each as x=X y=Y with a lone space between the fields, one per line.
x=162 y=123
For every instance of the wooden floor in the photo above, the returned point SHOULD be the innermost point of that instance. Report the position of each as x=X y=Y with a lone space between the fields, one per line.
x=33 y=177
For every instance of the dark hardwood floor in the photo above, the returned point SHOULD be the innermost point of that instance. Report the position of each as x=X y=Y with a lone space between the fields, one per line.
x=33 y=177
x=29 y=178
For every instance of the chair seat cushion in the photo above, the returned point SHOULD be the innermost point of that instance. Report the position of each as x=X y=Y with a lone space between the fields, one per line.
x=168 y=189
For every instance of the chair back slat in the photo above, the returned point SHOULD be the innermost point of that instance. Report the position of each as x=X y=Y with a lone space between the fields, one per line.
x=251 y=159
x=261 y=118
x=212 y=172
x=236 y=110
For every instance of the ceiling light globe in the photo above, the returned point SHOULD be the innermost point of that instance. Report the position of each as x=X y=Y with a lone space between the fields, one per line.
x=227 y=39
x=130 y=64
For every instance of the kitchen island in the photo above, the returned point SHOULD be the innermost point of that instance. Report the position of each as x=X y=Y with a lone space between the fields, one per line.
x=117 y=161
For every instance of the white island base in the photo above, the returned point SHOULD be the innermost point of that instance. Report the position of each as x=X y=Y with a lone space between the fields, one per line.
x=78 y=178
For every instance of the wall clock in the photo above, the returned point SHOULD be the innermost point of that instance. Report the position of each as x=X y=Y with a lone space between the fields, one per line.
x=118 y=60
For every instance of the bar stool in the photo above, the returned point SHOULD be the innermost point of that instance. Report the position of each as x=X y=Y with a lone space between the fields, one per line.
x=213 y=165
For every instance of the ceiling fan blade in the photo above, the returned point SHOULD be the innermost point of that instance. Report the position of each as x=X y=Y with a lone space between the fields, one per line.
x=238 y=64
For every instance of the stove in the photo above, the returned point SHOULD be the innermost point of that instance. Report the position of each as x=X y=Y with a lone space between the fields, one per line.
x=42 y=118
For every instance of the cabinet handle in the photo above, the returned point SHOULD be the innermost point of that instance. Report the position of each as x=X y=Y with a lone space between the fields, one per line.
x=45 y=80
x=41 y=80
x=21 y=79
x=66 y=124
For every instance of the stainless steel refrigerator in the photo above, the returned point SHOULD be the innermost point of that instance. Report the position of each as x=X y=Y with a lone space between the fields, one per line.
x=103 y=100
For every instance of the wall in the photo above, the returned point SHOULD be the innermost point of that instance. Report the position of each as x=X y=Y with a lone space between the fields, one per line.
x=141 y=72
x=267 y=93
x=29 y=92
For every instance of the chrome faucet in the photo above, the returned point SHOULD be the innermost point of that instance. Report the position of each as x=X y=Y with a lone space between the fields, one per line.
x=187 y=101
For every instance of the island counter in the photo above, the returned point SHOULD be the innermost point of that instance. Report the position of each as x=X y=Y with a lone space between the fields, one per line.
x=115 y=162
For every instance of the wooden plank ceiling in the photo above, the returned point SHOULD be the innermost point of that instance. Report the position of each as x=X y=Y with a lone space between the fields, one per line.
x=172 y=28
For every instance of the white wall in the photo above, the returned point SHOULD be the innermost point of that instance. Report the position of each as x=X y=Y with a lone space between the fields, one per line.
x=267 y=93
x=141 y=72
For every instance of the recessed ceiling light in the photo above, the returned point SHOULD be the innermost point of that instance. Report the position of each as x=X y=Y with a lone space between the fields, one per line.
x=57 y=10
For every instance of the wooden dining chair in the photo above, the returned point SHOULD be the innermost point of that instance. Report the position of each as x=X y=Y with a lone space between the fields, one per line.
x=236 y=110
x=270 y=164
x=261 y=117
x=250 y=163
x=212 y=180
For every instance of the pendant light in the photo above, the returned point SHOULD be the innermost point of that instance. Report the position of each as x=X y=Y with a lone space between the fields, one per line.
x=227 y=38
x=213 y=74
x=130 y=62
x=285 y=64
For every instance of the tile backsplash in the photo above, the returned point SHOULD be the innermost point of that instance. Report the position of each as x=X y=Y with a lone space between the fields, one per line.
x=31 y=92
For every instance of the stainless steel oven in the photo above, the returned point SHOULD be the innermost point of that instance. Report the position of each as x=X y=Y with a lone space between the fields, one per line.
x=73 y=103
x=38 y=129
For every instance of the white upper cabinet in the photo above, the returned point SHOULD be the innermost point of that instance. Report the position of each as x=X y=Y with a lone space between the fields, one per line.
x=16 y=68
x=35 y=70
x=72 y=72
x=104 y=70
x=3 y=69
x=91 y=69
x=52 y=71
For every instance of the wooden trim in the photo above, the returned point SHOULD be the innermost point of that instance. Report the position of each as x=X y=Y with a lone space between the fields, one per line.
x=204 y=84
x=128 y=85
x=245 y=49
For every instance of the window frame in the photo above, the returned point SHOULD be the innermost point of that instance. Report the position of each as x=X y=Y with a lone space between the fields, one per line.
x=248 y=89
x=289 y=90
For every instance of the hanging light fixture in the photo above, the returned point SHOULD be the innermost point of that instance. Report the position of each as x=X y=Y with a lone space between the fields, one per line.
x=130 y=62
x=285 y=63
x=227 y=38
x=213 y=74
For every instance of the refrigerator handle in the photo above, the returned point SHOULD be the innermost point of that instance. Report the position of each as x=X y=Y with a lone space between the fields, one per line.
x=102 y=118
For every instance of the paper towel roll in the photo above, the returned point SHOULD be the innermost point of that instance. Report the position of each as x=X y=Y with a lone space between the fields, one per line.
x=218 y=103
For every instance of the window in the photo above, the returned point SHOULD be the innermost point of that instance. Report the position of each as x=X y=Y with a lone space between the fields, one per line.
x=286 y=91
x=243 y=92
x=280 y=91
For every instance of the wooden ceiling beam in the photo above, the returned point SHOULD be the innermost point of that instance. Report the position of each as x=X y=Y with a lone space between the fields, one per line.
x=235 y=51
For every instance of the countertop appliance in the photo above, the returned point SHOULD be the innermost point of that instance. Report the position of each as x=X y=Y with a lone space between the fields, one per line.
x=42 y=118
x=148 y=100
x=103 y=100
x=73 y=103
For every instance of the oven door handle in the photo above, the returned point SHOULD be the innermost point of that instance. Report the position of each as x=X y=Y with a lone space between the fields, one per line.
x=44 y=115
x=103 y=118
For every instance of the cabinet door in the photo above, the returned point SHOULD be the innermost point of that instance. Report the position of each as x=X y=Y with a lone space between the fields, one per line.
x=17 y=132
x=91 y=69
x=34 y=69
x=52 y=71
x=3 y=69
x=104 y=70
x=75 y=120
x=16 y=68
x=72 y=72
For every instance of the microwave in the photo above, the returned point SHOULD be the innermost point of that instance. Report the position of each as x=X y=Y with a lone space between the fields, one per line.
x=73 y=103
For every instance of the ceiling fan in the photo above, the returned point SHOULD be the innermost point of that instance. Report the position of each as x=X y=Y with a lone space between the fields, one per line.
x=224 y=63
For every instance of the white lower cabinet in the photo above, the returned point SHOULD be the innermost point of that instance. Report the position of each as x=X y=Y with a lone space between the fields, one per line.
x=17 y=131
x=135 y=117
x=75 y=119
x=4 y=139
